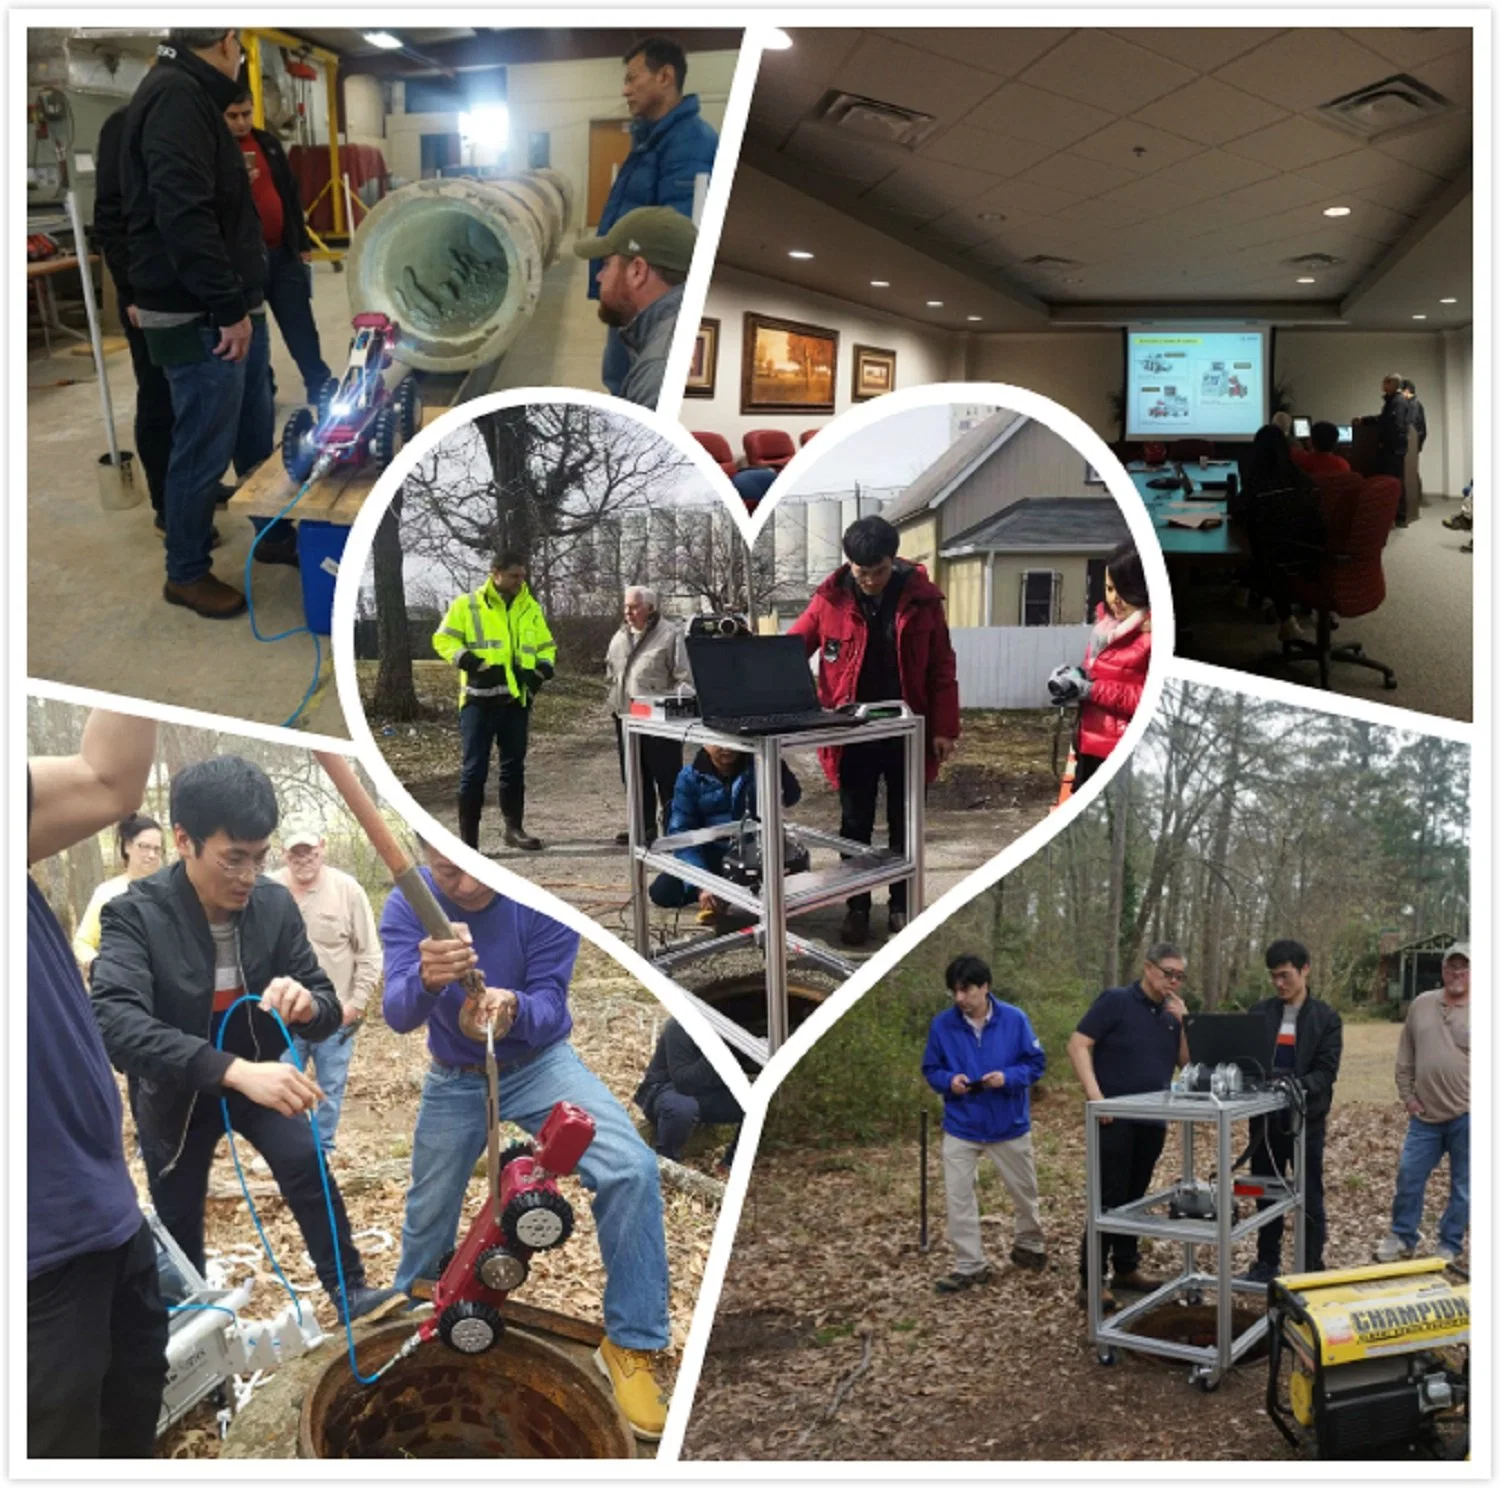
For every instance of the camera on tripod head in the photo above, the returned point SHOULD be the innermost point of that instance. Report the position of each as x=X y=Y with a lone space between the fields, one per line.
x=725 y=625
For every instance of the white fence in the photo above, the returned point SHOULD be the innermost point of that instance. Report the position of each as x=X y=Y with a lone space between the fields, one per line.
x=1007 y=666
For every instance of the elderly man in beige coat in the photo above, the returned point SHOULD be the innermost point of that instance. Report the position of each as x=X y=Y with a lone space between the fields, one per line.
x=647 y=657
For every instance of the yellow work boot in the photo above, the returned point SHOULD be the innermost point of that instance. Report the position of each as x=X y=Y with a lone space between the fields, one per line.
x=640 y=1396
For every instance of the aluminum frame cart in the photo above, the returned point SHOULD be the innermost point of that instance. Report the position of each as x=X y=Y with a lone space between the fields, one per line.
x=1149 y=1217
x=779 y=898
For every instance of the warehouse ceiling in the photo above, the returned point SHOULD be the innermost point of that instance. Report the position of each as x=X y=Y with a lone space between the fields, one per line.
x=1082 y=169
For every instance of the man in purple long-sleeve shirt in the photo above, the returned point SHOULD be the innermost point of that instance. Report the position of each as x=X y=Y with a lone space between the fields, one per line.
x=525 y=959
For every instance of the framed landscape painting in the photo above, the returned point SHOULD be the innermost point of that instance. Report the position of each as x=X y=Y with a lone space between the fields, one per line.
x=874 y=372
x=787 y=367
x=703 y=369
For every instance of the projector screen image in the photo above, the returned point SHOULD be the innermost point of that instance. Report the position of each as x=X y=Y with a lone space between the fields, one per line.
x=1182 y=384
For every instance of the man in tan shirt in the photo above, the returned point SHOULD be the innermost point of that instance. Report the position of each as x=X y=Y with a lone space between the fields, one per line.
x=1432 y=1079
x=341 y=926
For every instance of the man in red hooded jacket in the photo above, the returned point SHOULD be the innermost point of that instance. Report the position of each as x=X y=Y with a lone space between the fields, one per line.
x=878 y=627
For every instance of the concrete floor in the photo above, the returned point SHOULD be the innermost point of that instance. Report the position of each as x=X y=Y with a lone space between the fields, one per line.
x=1424 y=630
x=96 y=617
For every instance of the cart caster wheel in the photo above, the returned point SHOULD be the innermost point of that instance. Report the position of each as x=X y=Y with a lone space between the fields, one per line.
x=1108 y=1357
x=1193 y=1299
x=470 y=1327
x=1204 y=1379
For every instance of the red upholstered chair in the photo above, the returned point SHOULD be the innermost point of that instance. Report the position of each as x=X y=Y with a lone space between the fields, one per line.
x=772 y=447
x=806 y=435
x=718 y=449
x=1358 y=515
x=1190 y=449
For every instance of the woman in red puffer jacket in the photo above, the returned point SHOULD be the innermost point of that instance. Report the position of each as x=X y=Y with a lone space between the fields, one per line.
x=1115 y=664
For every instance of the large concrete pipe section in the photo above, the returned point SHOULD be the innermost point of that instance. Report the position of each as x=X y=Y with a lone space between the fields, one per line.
x=458 y=263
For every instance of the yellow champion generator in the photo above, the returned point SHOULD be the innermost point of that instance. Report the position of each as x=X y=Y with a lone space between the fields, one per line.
x=1372 y=1361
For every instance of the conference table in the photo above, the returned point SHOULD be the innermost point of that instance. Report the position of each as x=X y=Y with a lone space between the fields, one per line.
x=1184 y=545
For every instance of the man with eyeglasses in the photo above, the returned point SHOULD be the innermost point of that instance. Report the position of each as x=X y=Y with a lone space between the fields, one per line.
x=176 y=953
x=1309 y=1038
x=1129 y=1042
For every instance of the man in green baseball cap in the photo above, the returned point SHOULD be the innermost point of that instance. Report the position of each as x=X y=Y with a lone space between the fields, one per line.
x=645 y=255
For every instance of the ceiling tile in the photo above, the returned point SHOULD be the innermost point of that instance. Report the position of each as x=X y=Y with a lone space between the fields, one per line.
x=1196 y=179
x=1002 y=50
x=1034 y=198
x=1202 y=48
x=1077 y=173
x=978 y=149
x=1305 y=68
x=1095 y=213
x=1020 y=111
x=923 y=190
x=886 y=70
x=1444 y=147
x=1452 y=76
x=1210 y=112
x=1368 y=170
x=1371 y=220
x=791 y=82
x=1096 y=68
x=960 y=229
x=1410 y=46
x=1117 y=143
x=1294 y=142
x=852 y=160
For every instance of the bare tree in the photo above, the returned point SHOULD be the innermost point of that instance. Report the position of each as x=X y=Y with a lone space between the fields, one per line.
x=395 y=688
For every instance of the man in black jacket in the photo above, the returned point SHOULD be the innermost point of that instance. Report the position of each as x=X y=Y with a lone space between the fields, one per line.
x=277 y=204
x=175 y=954
x=680 y=1089
x=1309 y=1044
x=1392 y=435
x=197 y=270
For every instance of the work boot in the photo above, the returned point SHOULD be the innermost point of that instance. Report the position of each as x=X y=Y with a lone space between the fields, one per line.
x=1136 y=1280
x=1031 y=1260
x=209 y=597
x=1263 y=1273
x=363 y=1300
x=1107 y=1301
x=469 y=812
x=855 y=930
x=637 y=1391
x=1393 y=1248
x=517 y=836
x=961 y=1281
x=222 y=493
x=897 y=921
x=1460 y=523
x=283 y=550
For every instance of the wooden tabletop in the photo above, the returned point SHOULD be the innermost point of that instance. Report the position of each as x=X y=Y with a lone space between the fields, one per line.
x=42 y=267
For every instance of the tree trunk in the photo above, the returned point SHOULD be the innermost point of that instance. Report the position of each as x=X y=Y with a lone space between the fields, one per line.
x=395 y=690
x=1213 y=929
x=507 y=438
x=1120 y=790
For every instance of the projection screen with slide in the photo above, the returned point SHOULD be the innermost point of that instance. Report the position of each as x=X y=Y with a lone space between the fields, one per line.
x=1201 y=383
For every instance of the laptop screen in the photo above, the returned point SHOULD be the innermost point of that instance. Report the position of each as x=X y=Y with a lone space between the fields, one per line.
x=749 y=676
x=1301 y=428
x=1346 y=433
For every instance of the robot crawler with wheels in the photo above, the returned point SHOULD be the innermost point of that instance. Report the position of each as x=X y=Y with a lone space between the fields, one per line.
x=526 y=1215
x=359 y=420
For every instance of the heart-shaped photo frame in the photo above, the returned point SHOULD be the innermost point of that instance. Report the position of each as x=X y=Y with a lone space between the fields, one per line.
x=479 y=615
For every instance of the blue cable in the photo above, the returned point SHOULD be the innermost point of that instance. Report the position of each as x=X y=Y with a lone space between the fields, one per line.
x=297 y=630
x=338 y=1259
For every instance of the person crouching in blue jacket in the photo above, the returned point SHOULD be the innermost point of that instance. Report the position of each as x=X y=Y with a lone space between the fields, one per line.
x=983 y=1059
x=718 y=787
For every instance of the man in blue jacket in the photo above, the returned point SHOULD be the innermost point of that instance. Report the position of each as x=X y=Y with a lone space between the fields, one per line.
x=671 y=146
x=526 y=961
x=983 y=1059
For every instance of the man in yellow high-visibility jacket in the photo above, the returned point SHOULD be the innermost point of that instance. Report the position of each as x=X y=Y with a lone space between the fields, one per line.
x=498 y=639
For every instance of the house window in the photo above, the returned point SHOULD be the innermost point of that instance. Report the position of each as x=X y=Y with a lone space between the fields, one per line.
x=1095 y=584
x=1041 y=596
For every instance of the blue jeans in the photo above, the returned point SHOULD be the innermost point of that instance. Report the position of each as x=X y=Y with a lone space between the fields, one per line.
x=616 y=362
x=618 y=1170
x=289 y=294
x=670 y=892
x=331 y=1058
x=1424 y=1148
x=221 y=411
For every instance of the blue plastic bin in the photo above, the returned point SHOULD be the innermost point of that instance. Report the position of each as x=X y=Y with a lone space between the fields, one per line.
x=320 y=546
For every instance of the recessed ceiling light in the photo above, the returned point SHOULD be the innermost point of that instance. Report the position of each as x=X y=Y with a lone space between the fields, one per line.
x=1337 y=211
x=934 y=304
x=1307 y=279
x=880 y=284
x=1447 y=302
x=384 y=40
x=976 y=317
x=798 y=253
x=1419 y=317
x=776 y=40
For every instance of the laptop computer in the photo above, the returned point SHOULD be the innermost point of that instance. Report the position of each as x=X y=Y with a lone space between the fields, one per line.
x=757 y=685
x=1232 y=1038
x=1301 y=428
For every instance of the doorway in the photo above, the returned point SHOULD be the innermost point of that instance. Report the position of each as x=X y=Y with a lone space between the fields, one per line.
x=609 y=144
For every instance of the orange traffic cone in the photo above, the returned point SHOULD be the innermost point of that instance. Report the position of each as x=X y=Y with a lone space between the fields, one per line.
x=1067 y=781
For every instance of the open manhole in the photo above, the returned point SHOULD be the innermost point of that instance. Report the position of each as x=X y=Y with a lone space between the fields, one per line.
x=523 y=1398
x=1197 y=1326
x=743 y=998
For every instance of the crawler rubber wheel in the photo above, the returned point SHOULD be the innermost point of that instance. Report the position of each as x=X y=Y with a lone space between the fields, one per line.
x=385 y=440
x=298 y=453
x=470 y=1327
x=1108 y=1357
x=409 y=407
x=445 y=1260
x=537 y=1220
x=515 y=1150
x=326 y=394
x=501 y=1270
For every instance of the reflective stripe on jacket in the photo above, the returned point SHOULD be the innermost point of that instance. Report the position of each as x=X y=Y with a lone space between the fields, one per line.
x=513 y=636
